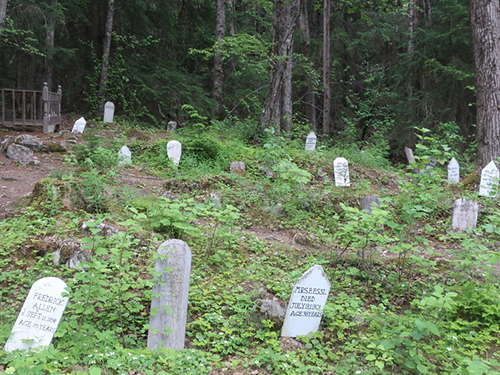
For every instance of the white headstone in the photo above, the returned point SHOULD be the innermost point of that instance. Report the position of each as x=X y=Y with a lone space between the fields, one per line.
x=170 y=296
x=79 y=126
x=487 y=184
x=124 y=156
x=109 y=111
x=341 y=171
x=453 y=171
x=174 y=151
x=464 y=214
x=311 y=142
x=305 y=308
x=40 y=315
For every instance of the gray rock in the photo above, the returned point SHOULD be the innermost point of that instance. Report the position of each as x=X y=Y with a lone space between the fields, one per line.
x=30 y=141
x=292 y=345
x=19 y=152
x=6 y=141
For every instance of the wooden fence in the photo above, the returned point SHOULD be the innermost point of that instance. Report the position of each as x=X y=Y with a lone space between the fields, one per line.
x=31 y=108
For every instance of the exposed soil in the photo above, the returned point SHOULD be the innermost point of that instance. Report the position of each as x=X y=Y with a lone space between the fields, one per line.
x=17 y=180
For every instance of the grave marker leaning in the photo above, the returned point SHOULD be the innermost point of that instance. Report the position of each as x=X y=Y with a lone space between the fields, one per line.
x=308 y=299
x=488 y=184
x=40 y=315
x=79 y=126
x=170 y=296
x=341 y=172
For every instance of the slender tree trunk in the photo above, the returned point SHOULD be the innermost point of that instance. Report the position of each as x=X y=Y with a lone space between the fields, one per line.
x=49 y=43
x=220 y=31
x=3 y=12
x=105 y=57
x=326 y=67
x=287 y=95
x=230 y=5
x=310 y=106
x=286 y=14
x=485 y=27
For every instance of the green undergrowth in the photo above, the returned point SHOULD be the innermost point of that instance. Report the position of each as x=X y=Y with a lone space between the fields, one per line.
x=408 y=295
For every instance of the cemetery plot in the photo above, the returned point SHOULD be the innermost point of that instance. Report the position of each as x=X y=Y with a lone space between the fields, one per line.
x=40 y=315
x=174 y=151
x=489 y=180
x=170 y=296
x=305 y=308
x=311 y=142
x=341 y=172
x=109 y=111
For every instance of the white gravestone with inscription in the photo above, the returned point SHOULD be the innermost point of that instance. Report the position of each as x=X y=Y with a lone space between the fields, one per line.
x=305 y=308
x=464 y=214
x=311 y=142
x=453 y=171
x=488 y=184
x=40 y=315
x=174 y=151
x=109 y=111
x=341 y=172
x=170 y=296
x=124 y=156
x=79 y=126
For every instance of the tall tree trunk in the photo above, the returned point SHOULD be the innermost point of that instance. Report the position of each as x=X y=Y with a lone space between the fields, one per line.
x=49 y=43
x=326 y=67
x=287 y=95
x=286 y=14
x=3 y=12
x=230 y=5
x=485 y=27
x=105 y=57
x=220 y=31
x=310 y=107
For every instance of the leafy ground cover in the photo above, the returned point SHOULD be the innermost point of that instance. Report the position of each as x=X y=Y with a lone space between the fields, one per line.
x=408 y=295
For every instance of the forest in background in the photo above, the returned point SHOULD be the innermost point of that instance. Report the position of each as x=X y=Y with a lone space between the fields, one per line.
x=392 y=66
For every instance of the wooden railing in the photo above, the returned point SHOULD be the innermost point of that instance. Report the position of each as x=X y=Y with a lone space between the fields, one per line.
x=31 y=108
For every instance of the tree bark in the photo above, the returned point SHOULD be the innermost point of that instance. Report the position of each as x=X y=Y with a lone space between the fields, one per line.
x=310 y=107
x=326 y=67
x=3 y=12
x=287 y=95
x=286 y=14
x=105 y=57
x=485 y=28
x=49 y=43
x=220 y=31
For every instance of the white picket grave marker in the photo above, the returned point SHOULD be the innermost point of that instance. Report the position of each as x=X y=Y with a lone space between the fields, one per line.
x=109 y=111
x=341 y=171
x=174 y=151
x=40 y=315
x=79 y=126
x=170 y=296
x=311 y=142
x=464 y=214
x=308 y=299
x=488 y=184
x=124 y=156
x=453 y=171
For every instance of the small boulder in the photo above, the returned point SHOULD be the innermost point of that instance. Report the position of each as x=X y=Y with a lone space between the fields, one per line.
x=57 y=147
x=19 y=152
x=30 y=141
